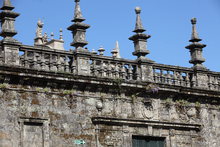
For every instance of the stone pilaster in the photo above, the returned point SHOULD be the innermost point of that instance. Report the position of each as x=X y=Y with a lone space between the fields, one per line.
x=82 y=64
x=78 y=30
x=10 y=46
x=140 y=45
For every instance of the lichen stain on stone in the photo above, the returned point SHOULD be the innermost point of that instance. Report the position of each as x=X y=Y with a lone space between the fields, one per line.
x=34 y=114
x=4 y=136
x=54 y=116
x=84 y=137
x=24 y=96
x=35 y=102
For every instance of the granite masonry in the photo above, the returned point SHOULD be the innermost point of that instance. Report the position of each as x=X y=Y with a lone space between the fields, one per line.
x=52 y=97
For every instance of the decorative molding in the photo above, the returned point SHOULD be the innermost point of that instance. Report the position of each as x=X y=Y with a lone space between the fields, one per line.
x=141 y=123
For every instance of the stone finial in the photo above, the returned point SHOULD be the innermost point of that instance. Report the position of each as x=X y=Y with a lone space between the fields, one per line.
x=57 y=44
x=138 y=27
x=10 y=46
x=7 y=20
x=195 y=36
x=140 y=39
x=52 y=35
x=61 y=34
x=77 y=13
x=94 y=52
x=196 y=48
x=7 y=3
x=39 y=29
x=116 y=51
x=45 y=38
x=101 y=50
x=39 y=37
x=78 y=29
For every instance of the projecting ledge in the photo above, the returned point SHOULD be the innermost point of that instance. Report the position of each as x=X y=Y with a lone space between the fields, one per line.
x=142 y=123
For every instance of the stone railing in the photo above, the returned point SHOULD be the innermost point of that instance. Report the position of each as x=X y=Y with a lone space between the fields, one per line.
x=108 y=67
x=172 y=75
x=65 y=61
x=213 y=81
x=88 y=64
x=47 y=59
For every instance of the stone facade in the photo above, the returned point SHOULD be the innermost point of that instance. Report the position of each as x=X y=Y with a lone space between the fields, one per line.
x=56 y=98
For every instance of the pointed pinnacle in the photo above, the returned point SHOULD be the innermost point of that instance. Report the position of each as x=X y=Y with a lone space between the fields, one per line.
x=138 y=27
x=117 y=49
x=61 y=34
x=195 y=36
x=7 y=5
x=40 y=23
x=77 y=13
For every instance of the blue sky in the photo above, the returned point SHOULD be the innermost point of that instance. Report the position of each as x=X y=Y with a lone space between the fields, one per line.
x=167 y=21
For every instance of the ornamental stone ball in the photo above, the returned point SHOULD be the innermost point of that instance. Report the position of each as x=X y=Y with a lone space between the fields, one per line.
x=193 y=20
x=138 y=10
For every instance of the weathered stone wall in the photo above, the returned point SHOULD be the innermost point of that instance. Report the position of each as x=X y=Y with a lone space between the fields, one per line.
x=104 y=116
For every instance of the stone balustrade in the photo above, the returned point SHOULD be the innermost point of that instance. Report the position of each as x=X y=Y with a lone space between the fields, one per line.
x=186 y=77
x=47 y=59
x=213 y=81
x=114 y=68
x=43 y=58
x=65 y=61
x=172 y=75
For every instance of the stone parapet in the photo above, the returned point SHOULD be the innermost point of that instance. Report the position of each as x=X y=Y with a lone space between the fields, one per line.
x=74 y=62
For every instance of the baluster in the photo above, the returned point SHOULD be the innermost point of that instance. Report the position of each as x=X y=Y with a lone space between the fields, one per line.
x=104 y=69
x=130 y=73
x=43 y=61
x=66 y=64
x=187 y=80
x=168 y=78
x=210 y=83
x=123 y=71
x=26 y=64
x=216 y=83
x=109 y=73
x=92 y=67
x=38 y=61
x=154 y=75
x=158 y=76
x=194 y=81
x=119 y=70
x=175 y=82
x=101 y=71
x=62 y=68
x=116 y=71
x=54 y=63
x=73 y=66
x=50 y=62
x=181 y=83
x=34 y=61
x=161 y=76
x=95 y=68
x=58 y=63
x=177 y=78
x=137 y=74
